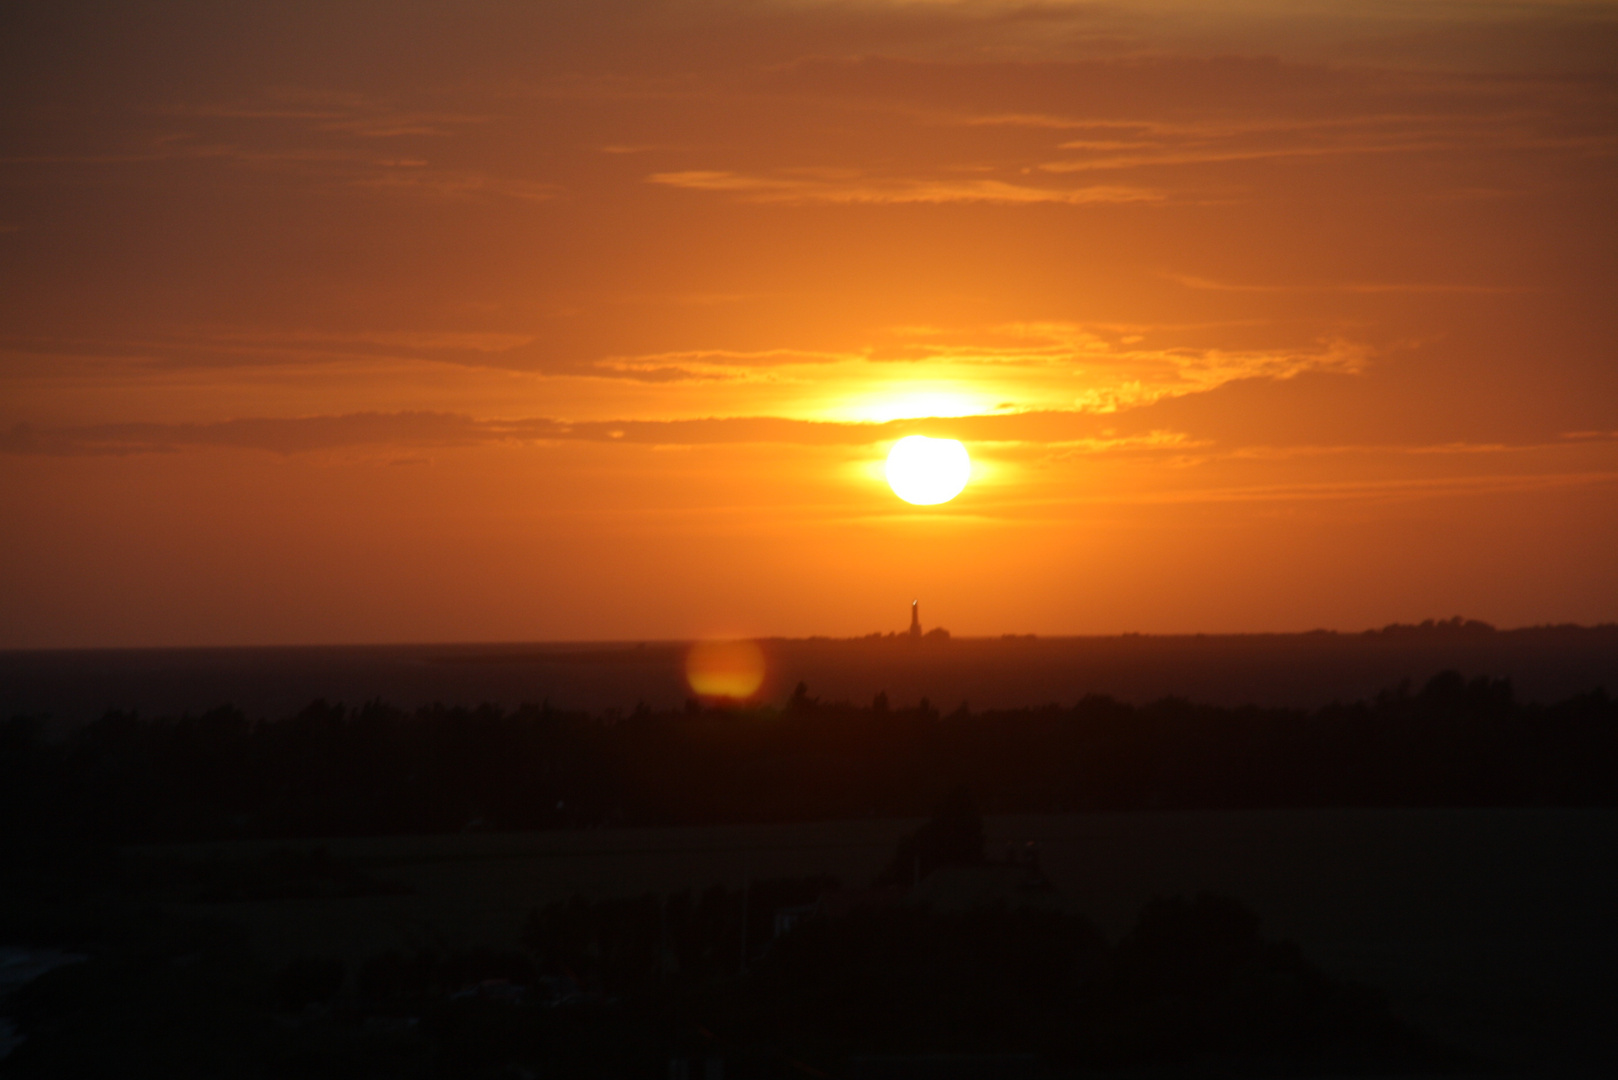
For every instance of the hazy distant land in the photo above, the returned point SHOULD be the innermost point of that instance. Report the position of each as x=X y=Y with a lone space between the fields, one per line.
x=1297 y=670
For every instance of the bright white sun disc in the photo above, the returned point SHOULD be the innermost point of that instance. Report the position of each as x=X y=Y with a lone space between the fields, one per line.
x=926 y=471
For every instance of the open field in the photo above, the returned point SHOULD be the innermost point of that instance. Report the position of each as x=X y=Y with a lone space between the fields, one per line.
x=1492 y=929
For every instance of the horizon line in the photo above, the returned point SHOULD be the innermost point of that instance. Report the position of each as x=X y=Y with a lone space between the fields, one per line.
x=1456 y=624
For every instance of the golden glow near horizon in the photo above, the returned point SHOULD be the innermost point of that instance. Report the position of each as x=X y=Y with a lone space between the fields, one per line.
x=727 y=670
x=925 y=472
x=903 y=403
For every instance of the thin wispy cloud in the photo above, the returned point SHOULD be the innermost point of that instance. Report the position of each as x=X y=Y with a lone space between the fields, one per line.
x=350 y=114
x=1363 y=287
x=1049 y=435
x=852 y=189
x=1393 y=490
x=1048 y=363
x=213 y=346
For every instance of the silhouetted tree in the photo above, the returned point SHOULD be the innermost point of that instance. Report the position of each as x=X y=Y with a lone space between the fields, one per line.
x=953 y=837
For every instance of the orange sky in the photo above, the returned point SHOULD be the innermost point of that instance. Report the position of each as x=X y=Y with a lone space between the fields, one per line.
x=411 y=322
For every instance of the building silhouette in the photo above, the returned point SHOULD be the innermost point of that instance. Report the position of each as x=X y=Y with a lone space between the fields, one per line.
x=915 y=619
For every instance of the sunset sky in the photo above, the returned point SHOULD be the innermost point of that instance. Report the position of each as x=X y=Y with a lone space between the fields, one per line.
x=386 y=322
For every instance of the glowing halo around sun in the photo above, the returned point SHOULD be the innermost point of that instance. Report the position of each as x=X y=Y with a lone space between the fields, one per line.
x=727 y=670
x=926 y=472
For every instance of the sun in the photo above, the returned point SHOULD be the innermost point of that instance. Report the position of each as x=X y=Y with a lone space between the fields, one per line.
x=926 y=471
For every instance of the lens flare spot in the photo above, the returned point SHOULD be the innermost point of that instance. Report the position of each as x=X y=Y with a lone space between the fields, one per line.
x=725 y=669
x=925 y=471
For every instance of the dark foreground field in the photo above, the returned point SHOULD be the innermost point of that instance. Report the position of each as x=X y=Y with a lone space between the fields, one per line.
x=1489 y=930
x=1420 y=883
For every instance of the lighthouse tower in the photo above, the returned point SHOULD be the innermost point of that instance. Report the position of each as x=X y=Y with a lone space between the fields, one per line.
x=915 y=619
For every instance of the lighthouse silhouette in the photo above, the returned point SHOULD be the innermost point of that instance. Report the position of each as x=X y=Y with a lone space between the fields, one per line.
x=915 y=618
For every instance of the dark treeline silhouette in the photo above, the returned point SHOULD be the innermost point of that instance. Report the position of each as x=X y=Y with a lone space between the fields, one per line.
x=1194 y=981
x=881 y=971
x=331 y=770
